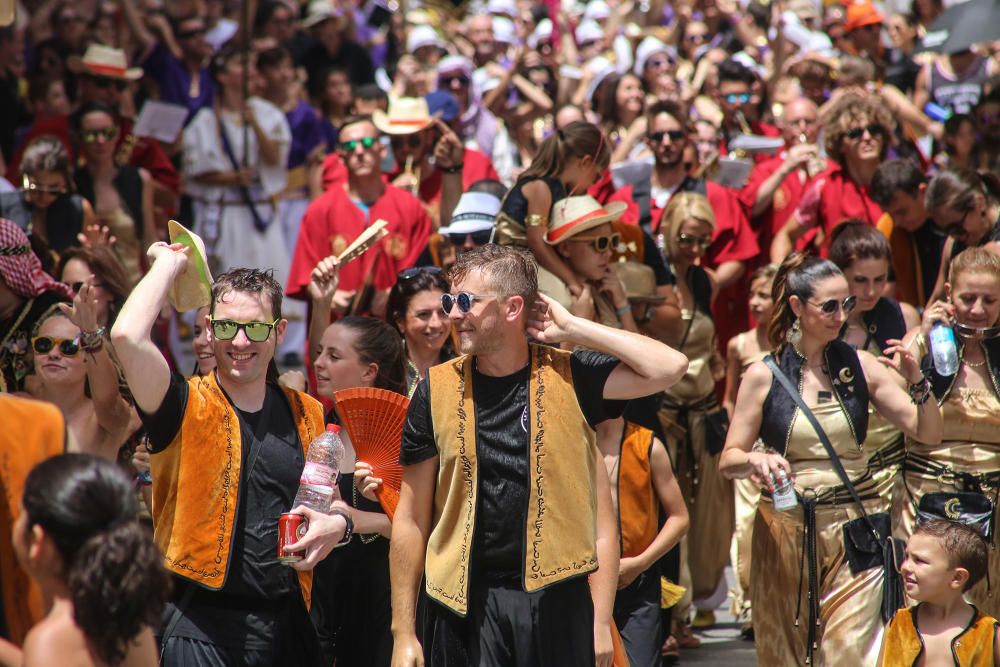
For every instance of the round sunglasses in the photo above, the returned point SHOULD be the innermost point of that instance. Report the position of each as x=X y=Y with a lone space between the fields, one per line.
x=68 y=347
x=601 y=243
x=256 y=332
x=830 y=306
x=463 y=300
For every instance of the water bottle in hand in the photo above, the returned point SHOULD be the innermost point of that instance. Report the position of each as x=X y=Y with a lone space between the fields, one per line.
x=943 y=349
x=318 y=483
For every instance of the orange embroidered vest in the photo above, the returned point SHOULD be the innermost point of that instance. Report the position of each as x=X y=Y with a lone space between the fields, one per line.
x=638 y=509
x=973 y=647
x=560 y=530
x=32 y=432
x=196 y=482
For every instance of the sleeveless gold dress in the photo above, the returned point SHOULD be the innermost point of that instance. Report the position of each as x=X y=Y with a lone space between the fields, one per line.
x=850 y=627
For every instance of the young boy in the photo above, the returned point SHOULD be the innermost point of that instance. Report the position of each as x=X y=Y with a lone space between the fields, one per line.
x=943 y=560
x=642 y=483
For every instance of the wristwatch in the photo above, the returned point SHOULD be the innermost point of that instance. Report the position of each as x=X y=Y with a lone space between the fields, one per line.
x=349 y=532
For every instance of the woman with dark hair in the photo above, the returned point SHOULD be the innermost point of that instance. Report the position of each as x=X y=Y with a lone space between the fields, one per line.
x=110 y=283
x=414 y=308
x=622 y=105
x=798 y=563
x=79 y=537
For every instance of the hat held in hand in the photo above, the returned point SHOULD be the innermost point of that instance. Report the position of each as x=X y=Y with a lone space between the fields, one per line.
x=193 y=288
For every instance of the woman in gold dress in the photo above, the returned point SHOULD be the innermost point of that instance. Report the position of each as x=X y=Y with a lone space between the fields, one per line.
x=968 y=457
x=690 y=415
x=808 y=605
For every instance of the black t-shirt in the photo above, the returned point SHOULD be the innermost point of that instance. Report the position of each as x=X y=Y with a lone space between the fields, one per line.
x=272 y=463
x=929 y=240
x=502 y=418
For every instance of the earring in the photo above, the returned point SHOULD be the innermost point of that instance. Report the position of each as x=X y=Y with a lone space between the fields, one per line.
x=794 y=333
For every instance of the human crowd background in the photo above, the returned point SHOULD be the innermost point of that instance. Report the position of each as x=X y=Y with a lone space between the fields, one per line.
x=679 y=169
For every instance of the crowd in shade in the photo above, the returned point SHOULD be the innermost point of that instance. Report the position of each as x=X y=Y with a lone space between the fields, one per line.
x=692 y=308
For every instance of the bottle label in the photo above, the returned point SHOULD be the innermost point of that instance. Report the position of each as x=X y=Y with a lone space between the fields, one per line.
x=317 y=473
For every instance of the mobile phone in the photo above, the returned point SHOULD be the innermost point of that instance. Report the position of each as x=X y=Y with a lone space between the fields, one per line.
x=378 y=12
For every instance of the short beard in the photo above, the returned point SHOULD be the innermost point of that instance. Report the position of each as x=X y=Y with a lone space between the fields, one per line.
x=665 y=164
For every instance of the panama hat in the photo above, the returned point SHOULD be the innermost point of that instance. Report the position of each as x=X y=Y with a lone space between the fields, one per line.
x=406 y=115
x=574 y=215
x=639 y=281
x=104 y=61
x=192 y=289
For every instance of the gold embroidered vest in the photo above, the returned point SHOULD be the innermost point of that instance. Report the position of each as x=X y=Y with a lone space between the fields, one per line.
x=973 y=647
x=196 y=482
x=638 y=508
x=560 y=527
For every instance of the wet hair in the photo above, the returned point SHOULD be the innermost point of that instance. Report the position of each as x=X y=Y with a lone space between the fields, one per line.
x=249 y=281
x=895 y=176
x=965 y=547
x=673 y=110
x=973 y=260
x=956 y=189
x=852 y=240
x=797 y=276
x=112 y=568
x=682 y=207
x=107 y=269
x=490 y=186
x=735 y=71
x=379 y=343
x=270 y=58
x=404 y=290
x=507 y=271
x=848 y=110
x=47 y=153
x=576 y=140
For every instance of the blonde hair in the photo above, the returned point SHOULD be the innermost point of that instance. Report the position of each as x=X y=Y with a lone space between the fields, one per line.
x=973 y=260
x=684 y=206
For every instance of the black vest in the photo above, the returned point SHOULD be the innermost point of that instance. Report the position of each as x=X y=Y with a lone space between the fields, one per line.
x=942 y=384
x=128 y=183
x=849 y=384
x=884 y=321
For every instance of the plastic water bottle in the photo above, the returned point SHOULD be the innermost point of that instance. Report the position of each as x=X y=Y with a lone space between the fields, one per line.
x=318 y=482
x=784 y=493
x=943 y=349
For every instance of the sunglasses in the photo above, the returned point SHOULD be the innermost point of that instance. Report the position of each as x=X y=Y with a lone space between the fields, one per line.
x=414 y=271
x=411 y=140
x=365 y=142
x=737 y=98
x=696 y=38
x=79 y=284
x=692 y=240
x=657 y=63
x=104 y=83
x=463 y=300
x=94 y=136
x=657 y=137
x=601 y=243
x=482 y=237
x=256 y=332
x=462 y=80
x=958 y=228
x=966 y=331
x=68 y=347
x=855 y=133
x=830 y=306
x=31 y=186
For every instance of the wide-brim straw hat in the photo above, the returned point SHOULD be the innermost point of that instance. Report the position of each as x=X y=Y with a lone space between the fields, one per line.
x=192 y=289
x=406 y=115
x=574 y=215
x=639 y=281
x=104 y=61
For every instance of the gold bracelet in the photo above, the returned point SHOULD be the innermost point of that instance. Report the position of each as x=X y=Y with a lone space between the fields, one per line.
x=536 y=220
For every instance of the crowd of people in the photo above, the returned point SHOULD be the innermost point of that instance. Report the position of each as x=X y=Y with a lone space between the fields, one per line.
x=663 y=282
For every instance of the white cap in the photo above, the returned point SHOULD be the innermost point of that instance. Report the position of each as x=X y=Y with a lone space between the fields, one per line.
x=504 y=30
x=542 y=33
x=422 y=35
x=648 y=48
x=503 y=7
x=475 y=212
x=597 y=10
x=587 y=31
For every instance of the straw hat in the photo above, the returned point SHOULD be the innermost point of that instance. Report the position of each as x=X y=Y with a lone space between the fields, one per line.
x=407 y=115
x=639 y=281
x=319 y=11
x=106 y=62
x=574 y=215
x=193 y=288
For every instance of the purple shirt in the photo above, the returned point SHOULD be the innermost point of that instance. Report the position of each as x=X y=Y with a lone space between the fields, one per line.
x=307 y=133
x=174 y=80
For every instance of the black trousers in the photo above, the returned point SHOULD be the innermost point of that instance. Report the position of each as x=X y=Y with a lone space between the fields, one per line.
x=506 y=627
x=637 y=615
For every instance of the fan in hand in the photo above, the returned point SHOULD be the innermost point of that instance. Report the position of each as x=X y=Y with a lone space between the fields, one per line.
x=374 y=421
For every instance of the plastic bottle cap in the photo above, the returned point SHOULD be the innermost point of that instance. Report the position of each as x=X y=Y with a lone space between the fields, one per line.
x=332 y=428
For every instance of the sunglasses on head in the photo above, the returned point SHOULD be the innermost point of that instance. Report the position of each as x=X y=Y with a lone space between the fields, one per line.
x=737 y=98
x=855 y=133
x=657 y=137
x=830 y=306
x=463 y=300
x=365 y=142
x=600 y=243
x=958 y=228
x=691 y=240
x=482 y=237
x=462 y=80
x=68 y=347
x=414 y=271
x=411 y=140
x=256 y=332
x=93 y=136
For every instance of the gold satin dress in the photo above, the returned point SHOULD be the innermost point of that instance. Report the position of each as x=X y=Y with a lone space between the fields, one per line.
x=850 y=624
x=709 y=496
x=884 y=447
x=971 y=444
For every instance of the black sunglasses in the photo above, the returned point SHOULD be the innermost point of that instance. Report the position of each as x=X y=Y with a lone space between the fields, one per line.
x=657 y=137
x=411 y=140
x=68 y=347
x=966 y=331
x=463 y=300
x=958 y=228
x=349 y=146
x=855 y=133
x=414 y=271
x=482 y=237
x=104 y=83
x=830 y=306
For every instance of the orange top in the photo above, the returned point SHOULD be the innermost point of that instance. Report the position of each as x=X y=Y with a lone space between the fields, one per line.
x=638 y=511
x=973 y=647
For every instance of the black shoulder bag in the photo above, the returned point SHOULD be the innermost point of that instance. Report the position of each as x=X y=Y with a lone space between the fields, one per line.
x=868 y=540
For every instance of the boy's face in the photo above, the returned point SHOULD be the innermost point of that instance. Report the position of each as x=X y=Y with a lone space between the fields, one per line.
x=908 y=211
x=927 y=574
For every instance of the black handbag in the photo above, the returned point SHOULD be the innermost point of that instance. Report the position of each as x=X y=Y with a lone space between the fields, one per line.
x=868 y=540
x=972 y=509
x=716 y=428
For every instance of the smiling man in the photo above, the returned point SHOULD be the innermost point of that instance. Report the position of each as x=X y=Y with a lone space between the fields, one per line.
x=505 y=510
x=228 y=449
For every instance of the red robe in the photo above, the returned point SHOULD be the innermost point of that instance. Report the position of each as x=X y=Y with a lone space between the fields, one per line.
x=604 y=192
x=833 y=197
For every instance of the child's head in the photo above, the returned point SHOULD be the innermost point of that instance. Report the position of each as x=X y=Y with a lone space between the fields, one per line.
x=761 y=303
x=577 y=153
x=943 y=560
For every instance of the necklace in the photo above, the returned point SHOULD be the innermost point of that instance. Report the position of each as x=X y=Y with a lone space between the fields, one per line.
x=978 y=364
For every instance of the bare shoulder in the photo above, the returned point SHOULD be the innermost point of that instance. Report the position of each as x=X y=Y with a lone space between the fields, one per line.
x=55 y=641
x=536 y=188
x=757 y=377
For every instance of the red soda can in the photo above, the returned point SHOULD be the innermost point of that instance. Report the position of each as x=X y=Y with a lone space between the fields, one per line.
x=291 y=528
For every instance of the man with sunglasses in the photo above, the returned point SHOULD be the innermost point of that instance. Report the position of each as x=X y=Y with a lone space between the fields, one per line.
x=228 y=449
x=738 y=95
x=497 y=443
x=338 y=216
x=479 y=128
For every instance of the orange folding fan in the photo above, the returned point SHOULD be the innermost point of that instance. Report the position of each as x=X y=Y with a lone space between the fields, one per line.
x=374 y=421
